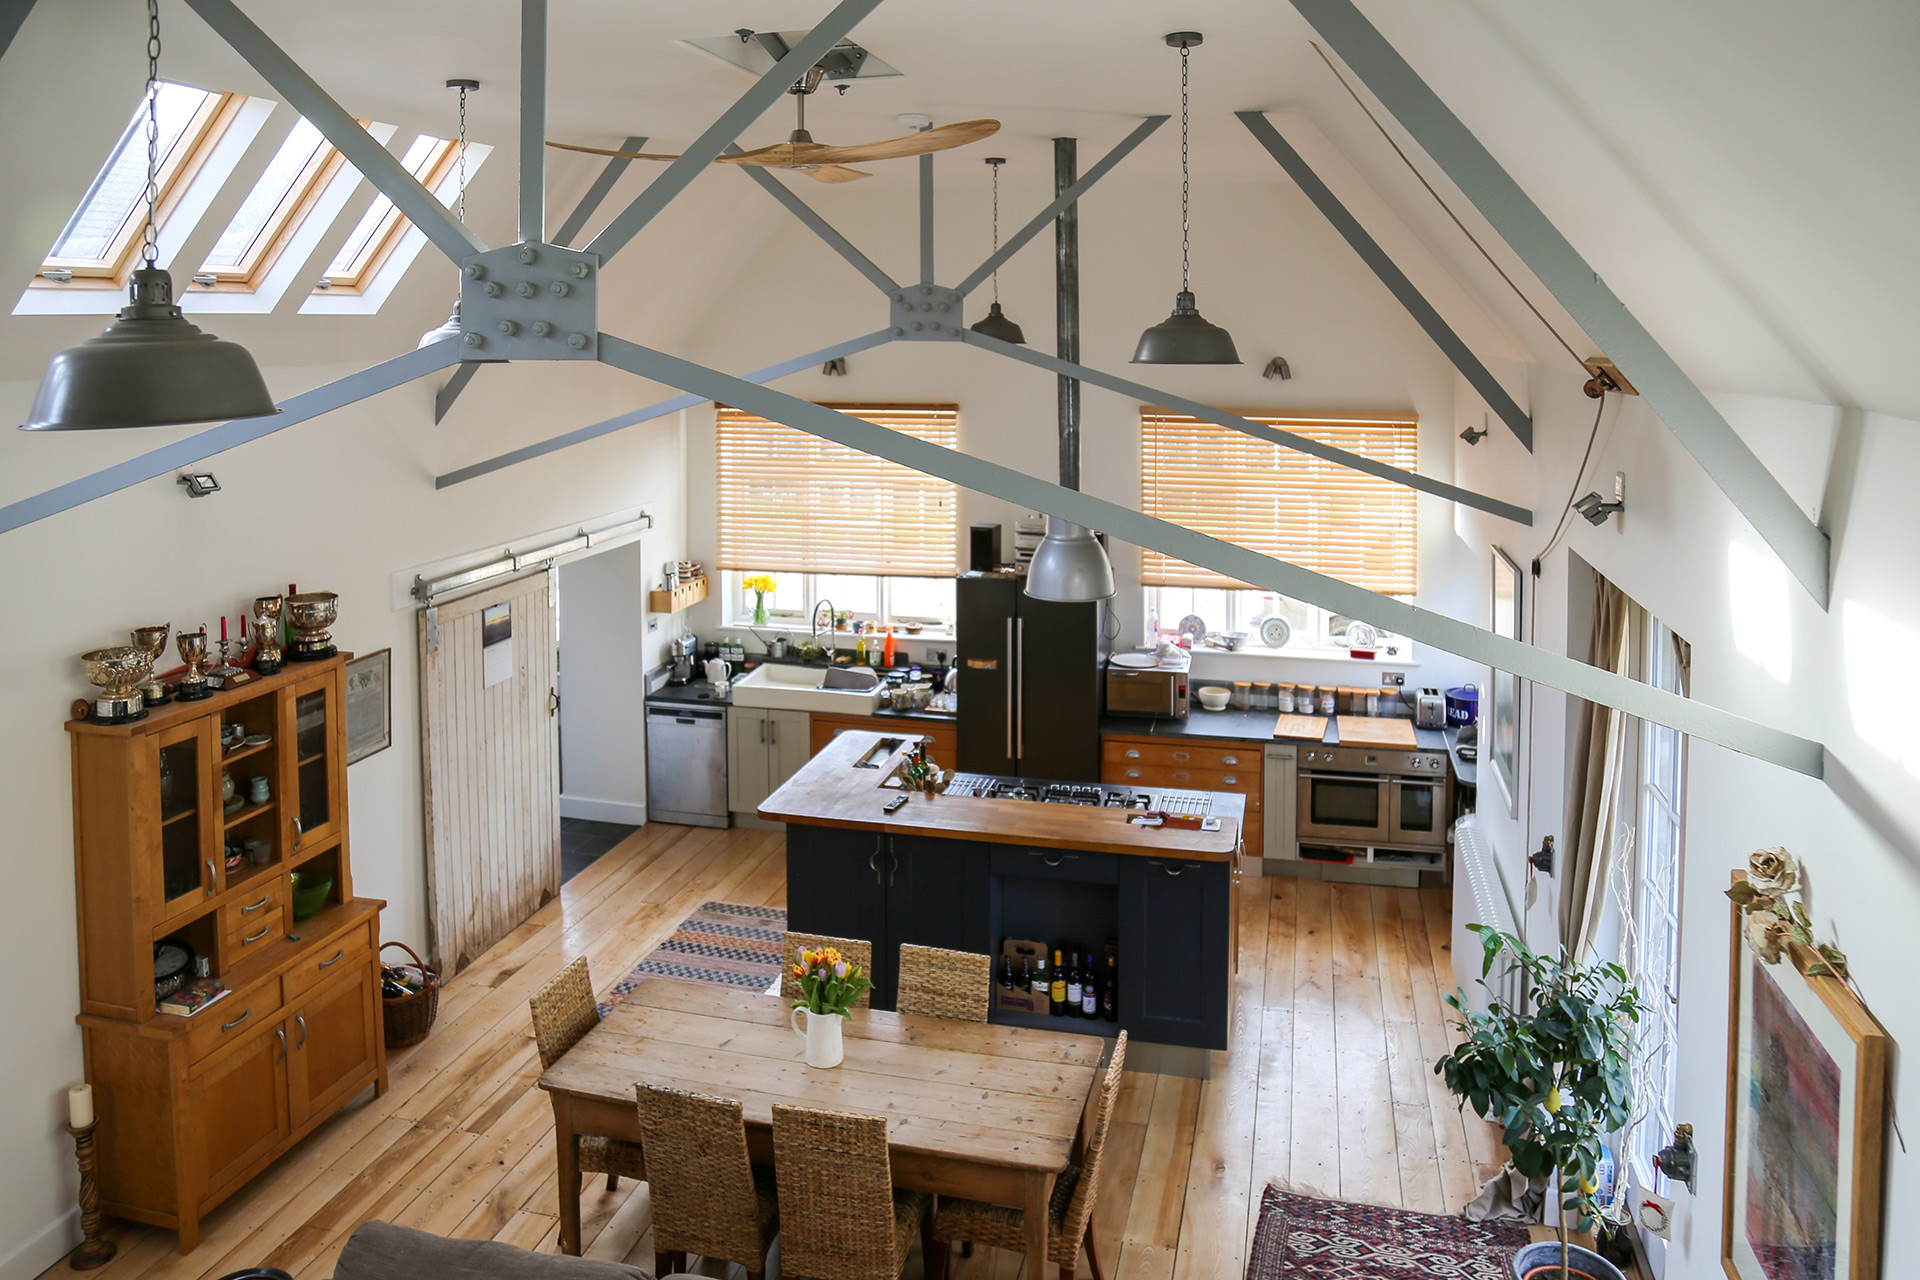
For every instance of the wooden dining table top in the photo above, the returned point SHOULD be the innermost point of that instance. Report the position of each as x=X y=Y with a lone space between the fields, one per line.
x=1004 y=1096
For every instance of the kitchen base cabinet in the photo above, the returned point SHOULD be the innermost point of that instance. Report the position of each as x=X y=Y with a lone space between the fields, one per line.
x=1282 y=836
x=764 y=749
x=941 y=749
x=1194 y=764
x=1175 y=977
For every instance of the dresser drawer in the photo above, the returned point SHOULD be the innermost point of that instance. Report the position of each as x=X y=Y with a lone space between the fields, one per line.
x=253 y=908
x=231 y=1018
x=1185 y=778
x=255 y=936
x=1234 y=759
x=1056 y=864
x=345 y=952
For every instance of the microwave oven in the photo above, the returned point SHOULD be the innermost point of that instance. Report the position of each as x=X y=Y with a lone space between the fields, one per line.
x=1159 y=692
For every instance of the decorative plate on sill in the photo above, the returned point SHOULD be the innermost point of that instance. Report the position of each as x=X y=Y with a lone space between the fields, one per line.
x=1275 y=632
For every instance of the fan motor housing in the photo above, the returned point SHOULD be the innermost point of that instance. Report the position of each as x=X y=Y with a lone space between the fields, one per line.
x=927 y=313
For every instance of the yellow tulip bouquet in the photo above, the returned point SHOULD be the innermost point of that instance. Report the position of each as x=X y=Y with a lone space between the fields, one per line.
x=762 y=585
x=829 y=983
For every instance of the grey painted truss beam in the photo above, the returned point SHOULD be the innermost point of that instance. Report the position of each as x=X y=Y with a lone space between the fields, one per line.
x=185 y=452
x=444 y=398
x=597 y=192
x=926 y=218
x=750 y=107
x=1720 y=451
x=1042 y=220
x=533 y=121
x=1474 y=643
x=660 y=409
x=1478 y=376
x=1233 y=421
x=12 y=14
x=819 y=226
x=377 y=164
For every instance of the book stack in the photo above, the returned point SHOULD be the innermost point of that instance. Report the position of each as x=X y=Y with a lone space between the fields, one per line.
x=194 y=997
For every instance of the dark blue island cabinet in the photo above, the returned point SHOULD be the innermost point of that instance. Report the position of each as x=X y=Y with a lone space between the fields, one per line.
x=1172 y=918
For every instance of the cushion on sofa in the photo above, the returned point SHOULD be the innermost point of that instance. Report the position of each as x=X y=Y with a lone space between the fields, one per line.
x=382 y=1251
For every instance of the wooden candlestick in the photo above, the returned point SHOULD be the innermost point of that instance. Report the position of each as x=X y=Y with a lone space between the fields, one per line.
x=96 y=1249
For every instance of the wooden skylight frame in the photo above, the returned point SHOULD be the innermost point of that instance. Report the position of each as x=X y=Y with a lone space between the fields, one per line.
x=433 y=170
x=280 y=227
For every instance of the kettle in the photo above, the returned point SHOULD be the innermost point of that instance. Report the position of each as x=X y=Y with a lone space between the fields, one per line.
x=717 y=672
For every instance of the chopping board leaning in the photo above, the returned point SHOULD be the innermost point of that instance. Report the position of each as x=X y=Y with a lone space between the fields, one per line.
x=1376 y=731
x=1292 y=726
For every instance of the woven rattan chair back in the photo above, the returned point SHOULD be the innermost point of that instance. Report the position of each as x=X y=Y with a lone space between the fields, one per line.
x=852 y=950
x=703 y=1194
x=836 y=1195
x=563 y=1011
x=1106 y=1094
x=944 y=984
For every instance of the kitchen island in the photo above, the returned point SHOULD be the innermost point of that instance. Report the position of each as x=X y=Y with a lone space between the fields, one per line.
x=1019 y=859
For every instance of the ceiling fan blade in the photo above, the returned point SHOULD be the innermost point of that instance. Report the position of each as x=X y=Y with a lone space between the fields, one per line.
x=603 y=151
x=834 y=173
x=912 y=144
x=781 y=155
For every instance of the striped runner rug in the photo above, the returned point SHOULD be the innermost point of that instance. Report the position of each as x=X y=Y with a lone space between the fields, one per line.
x=723 y=944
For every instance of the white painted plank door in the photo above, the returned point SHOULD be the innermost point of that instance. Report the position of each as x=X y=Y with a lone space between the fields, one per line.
x=491 y=758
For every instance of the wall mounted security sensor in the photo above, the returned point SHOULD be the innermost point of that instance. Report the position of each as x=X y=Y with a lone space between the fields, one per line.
x=1596 y=509
x=199 y=483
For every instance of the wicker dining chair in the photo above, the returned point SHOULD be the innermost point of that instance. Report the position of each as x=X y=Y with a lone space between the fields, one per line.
x=944 y=984
x=841 y=1217
x=564 y=1011
x=852 y=950
x=707 y=1196
x=1069 y=1213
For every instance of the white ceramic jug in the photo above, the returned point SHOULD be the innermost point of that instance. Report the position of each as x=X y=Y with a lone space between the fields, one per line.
x=822 y=1035
x=718 y=671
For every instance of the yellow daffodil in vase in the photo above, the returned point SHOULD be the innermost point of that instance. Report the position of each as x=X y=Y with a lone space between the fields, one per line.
x=829 y=984
x=762 y=586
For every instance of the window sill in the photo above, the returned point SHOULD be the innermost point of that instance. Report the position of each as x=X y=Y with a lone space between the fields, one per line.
x=844 y=639
x=1339 y=656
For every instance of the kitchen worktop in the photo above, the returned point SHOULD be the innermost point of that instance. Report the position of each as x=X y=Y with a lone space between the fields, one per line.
x=832 y=790
x=1235 y=726
x=703 y=693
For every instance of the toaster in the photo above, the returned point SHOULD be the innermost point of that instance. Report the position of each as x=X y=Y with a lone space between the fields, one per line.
x=1430 y=710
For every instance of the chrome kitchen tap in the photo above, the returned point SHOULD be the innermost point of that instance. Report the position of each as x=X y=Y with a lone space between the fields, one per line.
x=833 y=646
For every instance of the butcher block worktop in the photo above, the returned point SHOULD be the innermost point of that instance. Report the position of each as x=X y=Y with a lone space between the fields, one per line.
x=834 y=790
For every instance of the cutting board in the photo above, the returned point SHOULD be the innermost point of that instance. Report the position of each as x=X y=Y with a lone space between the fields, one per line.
x=1376 y=731
x=1292 y=726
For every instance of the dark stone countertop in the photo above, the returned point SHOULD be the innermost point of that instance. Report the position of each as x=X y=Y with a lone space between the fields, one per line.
x=698 y=693
x=1236 y=726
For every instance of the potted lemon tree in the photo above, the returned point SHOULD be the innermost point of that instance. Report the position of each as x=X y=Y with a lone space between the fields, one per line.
x=1555 y=1071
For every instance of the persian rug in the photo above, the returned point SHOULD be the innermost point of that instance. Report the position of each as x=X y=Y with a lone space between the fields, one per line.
x=723 y=944
x=1303 y=1238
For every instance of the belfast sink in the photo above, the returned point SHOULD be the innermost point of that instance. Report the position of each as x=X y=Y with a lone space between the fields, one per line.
x=793 y=688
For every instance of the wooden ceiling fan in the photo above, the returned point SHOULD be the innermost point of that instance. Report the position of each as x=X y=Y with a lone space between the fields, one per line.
x=818 y=160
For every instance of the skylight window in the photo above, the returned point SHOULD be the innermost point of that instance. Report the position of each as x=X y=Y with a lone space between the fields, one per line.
x=293 y=180
x=429 y=159
x=100 y=239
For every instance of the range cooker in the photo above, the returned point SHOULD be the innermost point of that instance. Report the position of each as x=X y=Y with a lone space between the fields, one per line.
x=1369 y=796
x=1099 y=795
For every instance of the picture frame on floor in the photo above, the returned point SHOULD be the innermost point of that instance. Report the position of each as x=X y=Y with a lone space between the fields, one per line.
x=1806 y=1121
x=368 y=690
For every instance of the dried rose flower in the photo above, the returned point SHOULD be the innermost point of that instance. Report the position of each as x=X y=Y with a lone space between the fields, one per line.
x=1773 y=872
x=1768 y=935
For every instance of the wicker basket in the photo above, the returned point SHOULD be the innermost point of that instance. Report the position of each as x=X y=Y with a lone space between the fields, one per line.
x=410 y=1017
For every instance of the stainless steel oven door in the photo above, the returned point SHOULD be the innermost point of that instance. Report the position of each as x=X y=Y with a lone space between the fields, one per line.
x=1348 y=807
x=1417 y=809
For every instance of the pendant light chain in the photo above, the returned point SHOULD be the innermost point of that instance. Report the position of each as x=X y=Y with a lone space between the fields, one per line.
x=150 y=247
x=1185 y=186
x=996 y=231
x=463 y=155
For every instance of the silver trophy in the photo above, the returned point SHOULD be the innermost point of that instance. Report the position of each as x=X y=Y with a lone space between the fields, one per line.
x=117 y=673
x=152 y=641
x=266 y=634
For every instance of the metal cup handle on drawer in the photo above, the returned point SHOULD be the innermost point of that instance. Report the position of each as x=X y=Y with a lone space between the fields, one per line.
x=228 y=1026
x=336 y=957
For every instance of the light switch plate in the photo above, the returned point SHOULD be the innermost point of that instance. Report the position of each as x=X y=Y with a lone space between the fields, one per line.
x=1398 y=678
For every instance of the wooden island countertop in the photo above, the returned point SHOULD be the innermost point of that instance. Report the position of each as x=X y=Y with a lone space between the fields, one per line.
x=844 y=786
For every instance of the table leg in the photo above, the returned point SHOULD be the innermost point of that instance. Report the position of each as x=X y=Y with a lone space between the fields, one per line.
x=1039 y=1191
x=567 y=1159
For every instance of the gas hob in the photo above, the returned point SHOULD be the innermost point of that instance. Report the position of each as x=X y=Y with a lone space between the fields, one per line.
x=1098 y=795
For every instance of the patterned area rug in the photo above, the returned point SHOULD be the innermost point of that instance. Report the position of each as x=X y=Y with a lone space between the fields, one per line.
x=723 y=944
x=1301 y=1238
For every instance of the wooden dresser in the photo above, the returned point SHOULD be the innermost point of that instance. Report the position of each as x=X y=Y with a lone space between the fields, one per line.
x=190 y=1108
x=1191 y=764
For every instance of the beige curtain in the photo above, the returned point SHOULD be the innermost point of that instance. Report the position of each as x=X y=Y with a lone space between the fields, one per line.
x=1595 y=778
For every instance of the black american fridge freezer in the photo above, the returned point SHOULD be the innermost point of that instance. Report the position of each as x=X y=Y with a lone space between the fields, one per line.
x=1029 y=702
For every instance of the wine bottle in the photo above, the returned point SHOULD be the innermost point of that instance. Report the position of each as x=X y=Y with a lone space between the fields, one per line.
x=1089 y=991
x=1006 y=973
x=1074 y=985
x=1110 y=989
x=1040 y=985
x=1057 y=993
x=1025 y=981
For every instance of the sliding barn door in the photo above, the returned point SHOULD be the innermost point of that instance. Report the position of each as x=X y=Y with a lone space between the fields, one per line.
x=490 y=736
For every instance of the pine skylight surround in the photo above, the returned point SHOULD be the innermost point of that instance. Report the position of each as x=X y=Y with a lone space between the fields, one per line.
x=1281 y=502
x=274 y=209
x=792 y=502
x=429 y=159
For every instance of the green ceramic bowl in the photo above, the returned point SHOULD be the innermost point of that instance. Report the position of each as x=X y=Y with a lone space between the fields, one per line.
x=309 y=893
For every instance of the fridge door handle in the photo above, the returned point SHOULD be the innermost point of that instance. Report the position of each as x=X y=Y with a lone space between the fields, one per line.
x=1020 y=672
x=1012 y=675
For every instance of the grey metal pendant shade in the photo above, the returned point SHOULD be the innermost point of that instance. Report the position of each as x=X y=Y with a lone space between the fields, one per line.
x=151 y=368
x=1069 y=565
x=1185 y=338
x=448 y=328
x=995 y=324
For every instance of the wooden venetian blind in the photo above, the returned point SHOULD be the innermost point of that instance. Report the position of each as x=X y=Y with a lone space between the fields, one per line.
x=792 y=501
x=1281 y=502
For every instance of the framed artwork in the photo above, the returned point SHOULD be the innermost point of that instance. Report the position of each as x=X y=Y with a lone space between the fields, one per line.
x=1806 y=1123
x=1503 y=726
x=369 y=699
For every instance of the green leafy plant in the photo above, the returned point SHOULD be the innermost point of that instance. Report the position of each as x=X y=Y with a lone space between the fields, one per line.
x=1554 y=1070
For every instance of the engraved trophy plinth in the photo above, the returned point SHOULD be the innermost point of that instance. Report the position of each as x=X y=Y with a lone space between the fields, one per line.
x=192 y=686
x=152 y=641
x=117 y=673
x=311 y=613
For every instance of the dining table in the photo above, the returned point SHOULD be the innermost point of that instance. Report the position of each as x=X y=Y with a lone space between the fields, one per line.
x=973 y=1109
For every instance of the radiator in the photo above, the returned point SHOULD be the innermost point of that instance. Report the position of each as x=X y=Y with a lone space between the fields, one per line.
x=1479 y=897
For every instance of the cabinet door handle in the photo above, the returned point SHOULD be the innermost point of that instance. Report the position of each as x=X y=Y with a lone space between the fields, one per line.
x=773 y=731
x=1020 y=661
x=247 y=911
x=211 y=887
x=1133 y=773
x=1182 y=755
x=1054 y=860
x=763 y=732
x=264 y=931
x=893 y=865
x=280 y=1033
x=1012 y=674
x=873 y=862
x=1133 y=753
x=1182 y=776
x=336 y=957
x=1229 y=759
x=301 y=1018
x=228 y=1026
x=1229 y=779
x=1173 y=868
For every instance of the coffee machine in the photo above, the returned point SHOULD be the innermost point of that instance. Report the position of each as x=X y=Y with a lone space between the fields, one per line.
x=683 y=648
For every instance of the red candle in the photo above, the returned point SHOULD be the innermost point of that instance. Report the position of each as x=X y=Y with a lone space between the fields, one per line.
x=223 y=626
x=243 y=628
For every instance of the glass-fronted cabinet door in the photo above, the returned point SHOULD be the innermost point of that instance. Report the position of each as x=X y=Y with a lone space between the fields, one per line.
x=318 y=770
x=188 y=871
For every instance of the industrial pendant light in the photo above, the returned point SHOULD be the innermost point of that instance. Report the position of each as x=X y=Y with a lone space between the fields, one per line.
x=995 y=323
x=450 y=327
x=1184 y=337
x=152 y=367
x=1069 y=565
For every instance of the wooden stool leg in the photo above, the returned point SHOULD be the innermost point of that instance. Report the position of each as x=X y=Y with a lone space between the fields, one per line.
x=1093 y=1259
x=613 y=1182
x=966 y=1248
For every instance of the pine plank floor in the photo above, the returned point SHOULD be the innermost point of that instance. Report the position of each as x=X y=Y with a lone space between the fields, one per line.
x=1327 y=1086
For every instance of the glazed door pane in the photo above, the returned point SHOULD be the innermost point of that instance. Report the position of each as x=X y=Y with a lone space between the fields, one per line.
x=183 y=791
x=316 y=771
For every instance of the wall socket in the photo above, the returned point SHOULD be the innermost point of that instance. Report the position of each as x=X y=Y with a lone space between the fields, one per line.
x=1398 y=678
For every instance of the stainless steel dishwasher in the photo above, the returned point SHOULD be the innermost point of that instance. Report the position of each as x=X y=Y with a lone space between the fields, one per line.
x=687 y=765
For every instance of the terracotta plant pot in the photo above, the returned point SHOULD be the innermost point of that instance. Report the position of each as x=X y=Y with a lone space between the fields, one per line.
x=1541 y=1261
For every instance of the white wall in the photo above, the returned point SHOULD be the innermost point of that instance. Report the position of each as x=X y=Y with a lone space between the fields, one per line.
x=604 y=650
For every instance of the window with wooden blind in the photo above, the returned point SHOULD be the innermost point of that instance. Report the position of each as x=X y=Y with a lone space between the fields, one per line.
x=792 y=502
x=1281 y=502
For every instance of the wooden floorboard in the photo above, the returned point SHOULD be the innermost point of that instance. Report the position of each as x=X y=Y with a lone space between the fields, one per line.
x=1327 y=1087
